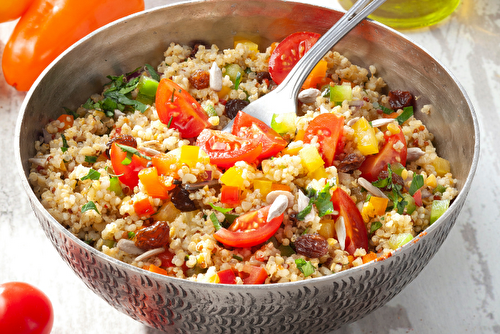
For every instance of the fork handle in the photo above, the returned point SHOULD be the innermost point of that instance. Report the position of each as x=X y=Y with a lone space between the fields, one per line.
x=294 y=80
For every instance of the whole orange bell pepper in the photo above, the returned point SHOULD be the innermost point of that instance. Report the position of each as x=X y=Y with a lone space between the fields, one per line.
x=49 y=27
x=13 y=9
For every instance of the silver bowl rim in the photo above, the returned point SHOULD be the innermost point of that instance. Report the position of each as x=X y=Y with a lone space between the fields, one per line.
x=427 y=233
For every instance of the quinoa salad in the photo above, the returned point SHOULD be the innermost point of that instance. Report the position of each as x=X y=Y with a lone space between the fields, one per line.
x=143 y=172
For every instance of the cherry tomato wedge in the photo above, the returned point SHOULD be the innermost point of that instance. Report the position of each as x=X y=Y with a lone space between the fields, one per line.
x=253 y=274
x=143 y=207
x=250 y=229
x=180 y=110
x=128 y=173
x=374 y=164
x=249 y=127
x=328 y=128
x=24 y=309
x=230 y=195
x=288 y=53
x=227 y=276
x=225 y=149
x=356 y=234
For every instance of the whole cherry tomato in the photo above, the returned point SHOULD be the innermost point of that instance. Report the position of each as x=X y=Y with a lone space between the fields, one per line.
x=49 y=27
x=24 y=309
x=13 y=9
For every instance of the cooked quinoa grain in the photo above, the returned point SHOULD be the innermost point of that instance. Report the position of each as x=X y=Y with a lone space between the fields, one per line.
x=125 y=171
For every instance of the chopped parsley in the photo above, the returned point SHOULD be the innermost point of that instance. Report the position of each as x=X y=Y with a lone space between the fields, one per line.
x=65 y=145
x=115 y=186
x=395 y=190
x=321 y=199
x=237 y=81
x=92 y=175
x=239 y=258
x=305 y=267
x=130 y=152
x=89 y=206
x=220 y=209
x=407 y=113
x=375 y=226
x=90 y=159
x=170 y=122
x=152 y=72
x=416 y=183
x=70 y=112
x=215 y=221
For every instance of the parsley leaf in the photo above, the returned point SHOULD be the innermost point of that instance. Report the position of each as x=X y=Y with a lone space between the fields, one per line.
x=220 y=209
x=89 y=206
x=152 y=72
x=92 y=175
x=237 y=81
x=215 y=221
x=305 y=267
x=115 y=186
x=416 y=183
x=239 y=258
x=375 y=226
x=132 y=151
x=65 y=146
x=90 y=159
x=407 y=113
x=70 y=112
x=321 y=199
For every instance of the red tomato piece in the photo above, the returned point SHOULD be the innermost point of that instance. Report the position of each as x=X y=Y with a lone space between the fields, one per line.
x=374 y=164
x=253 y=274
x=417 y=196
x=249 y=127
x=356 y=234
x=180 y=110
x=143 y=207
x=128 y=174
x=230 y=195
x=225 y=149
x=166 y=258
x=227 y=276
x=329 y=129
x=24 y=309
x=288 y=53
x=250 y=229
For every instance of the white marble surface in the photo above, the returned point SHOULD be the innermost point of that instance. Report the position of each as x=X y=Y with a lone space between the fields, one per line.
x=458 y=292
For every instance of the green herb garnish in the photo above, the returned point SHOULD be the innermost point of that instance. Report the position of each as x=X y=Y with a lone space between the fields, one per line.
x=131 y=235
x=115 y=186
x=395 y=190
x=305 y=267
x=220 y=209
x=321 y=199
x=170 y=122
x=407 y=113
x=237 y=81
x=130 y=152
x=152 y=72
x=70 y=112
x=90 y=159
x=375 y=226
x=239 y=258
x=89 y=206
x=65 y=145
x=92 y=175
x=416 y=183
x=215 y=221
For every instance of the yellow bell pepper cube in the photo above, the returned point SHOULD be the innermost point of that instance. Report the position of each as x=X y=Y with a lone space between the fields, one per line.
x=311 y=159
x=319 y=173
x=233 y=177
x=264 y=186
x=189 y=155
x=442 y=166
x=249 y=44
x=366 y=140
x=379 y=205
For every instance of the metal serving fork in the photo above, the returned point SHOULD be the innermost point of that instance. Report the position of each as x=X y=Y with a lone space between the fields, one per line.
x=284 y=97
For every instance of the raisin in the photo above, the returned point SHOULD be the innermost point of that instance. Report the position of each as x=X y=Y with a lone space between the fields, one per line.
x=233 y=106
x=261 y=76
x=350 y=163
x=399 y=99
x=180 y=199
x=396 y=179
x=195 y=46
x=311 y=245
x=154 y=236
x=126 y=140
x=200 y=79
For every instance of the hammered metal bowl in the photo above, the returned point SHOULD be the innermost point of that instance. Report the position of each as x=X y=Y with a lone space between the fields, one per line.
x=312 y=306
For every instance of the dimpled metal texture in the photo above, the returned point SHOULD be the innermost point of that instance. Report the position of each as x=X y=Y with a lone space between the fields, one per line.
x=316 y=305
